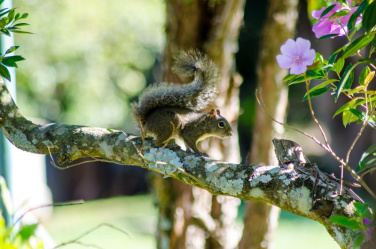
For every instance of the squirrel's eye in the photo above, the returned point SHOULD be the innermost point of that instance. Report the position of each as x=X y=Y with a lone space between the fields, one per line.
x=221 y=124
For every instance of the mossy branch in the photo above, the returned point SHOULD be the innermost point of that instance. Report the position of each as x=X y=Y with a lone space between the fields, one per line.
x=294 y=185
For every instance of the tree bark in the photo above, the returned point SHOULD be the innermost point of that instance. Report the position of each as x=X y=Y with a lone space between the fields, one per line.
x=278 y=27
x=294 y=184
x=208 y=221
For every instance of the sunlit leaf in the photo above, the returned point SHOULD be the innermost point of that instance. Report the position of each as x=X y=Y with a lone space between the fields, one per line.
x=27 y=231
x=348 y=105
x=351 y=223
x=364 y=74
x=21 y=32
x=24 y=15
x=362 y=116
x=348 y=117
x=369 y=78
x=11 y=14
x=358 y=44
x=338 y=66
x=4 y=72
x=21 y=24
x=343 y=82
x=11 y=49
x=354 y=90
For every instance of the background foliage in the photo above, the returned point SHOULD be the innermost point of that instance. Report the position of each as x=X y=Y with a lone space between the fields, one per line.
x=87 y=58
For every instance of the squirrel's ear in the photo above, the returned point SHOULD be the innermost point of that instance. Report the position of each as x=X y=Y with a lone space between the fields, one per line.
x=218 y=112
x=213 y=113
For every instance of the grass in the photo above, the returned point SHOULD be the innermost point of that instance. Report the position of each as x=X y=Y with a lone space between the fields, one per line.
x=137 y=216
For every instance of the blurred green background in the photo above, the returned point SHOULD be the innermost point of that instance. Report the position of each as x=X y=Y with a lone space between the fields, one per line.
x=86 y=61
x=87 y=58
x=136 y=215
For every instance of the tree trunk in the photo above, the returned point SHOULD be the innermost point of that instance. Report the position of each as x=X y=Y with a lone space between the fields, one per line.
x=184 y=211
x=279 y=26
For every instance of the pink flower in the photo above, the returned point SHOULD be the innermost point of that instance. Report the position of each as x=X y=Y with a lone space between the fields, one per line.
x=296 y=56
x=336 y=25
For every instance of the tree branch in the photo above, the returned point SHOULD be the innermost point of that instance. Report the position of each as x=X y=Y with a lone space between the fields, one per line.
x=294 y=185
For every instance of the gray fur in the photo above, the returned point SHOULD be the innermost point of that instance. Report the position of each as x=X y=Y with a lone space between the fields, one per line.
x=194 y=96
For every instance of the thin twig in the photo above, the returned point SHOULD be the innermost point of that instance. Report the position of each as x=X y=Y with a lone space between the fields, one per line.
x=313 y=115
x=76 y=241
x=78 y=202
x=260 y=101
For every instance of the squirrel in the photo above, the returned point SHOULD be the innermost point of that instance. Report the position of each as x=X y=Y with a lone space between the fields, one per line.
x=167 y=110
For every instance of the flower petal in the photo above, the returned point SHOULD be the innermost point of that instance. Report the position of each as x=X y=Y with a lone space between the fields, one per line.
x=289 y=48
x=284 y=61
x=317 y=13
x=308 y=57
x=298 y=68
x=303 y=45
x=322 y=28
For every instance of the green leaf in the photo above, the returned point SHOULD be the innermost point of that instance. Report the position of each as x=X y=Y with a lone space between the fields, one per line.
x=327 y=36
x=3 y=22
x=354 y=17
x=367 y=160
x=24 y=15
x=327 y=10
x=5 y=196
x=316 y=93
x=11 y=14
x=5 y=32
x=348 y=105
x=358 y=44
x=363 y=75
x=4 y=72
x=363 y=117
x=27 y=231
x=348 y=117
x=359 y=208
x=310 y=73
x=359 y=239
x=340 y=13
x=363 y=211
x=352 y=223
x=21 y=24
x=21 y=32
x=349 y=80
x=1 y=1
x=343 y=81
x=3 y=12
x=338 y=66
x=11 y=49
x=369 y=17
x=10 y=61
x=331 y=61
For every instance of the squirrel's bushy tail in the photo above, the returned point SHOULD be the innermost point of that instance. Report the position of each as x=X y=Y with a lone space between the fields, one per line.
x=195 y=96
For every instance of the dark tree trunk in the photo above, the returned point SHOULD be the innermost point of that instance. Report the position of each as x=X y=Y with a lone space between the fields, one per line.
x=186 y=212
x=279 y=26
